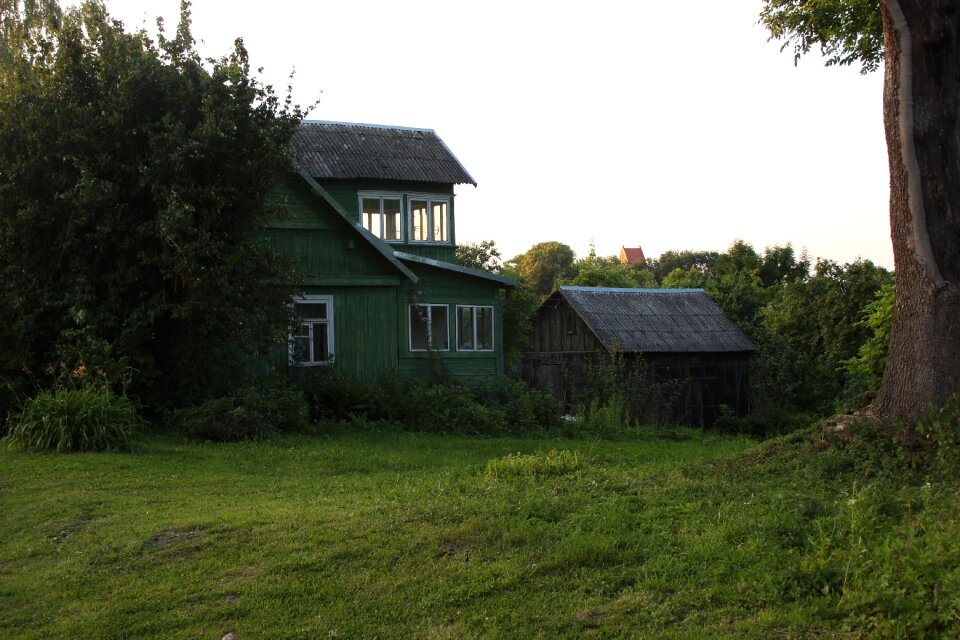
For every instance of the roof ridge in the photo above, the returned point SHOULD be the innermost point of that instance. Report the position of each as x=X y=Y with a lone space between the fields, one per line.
x=626 y=289
x=368 y=125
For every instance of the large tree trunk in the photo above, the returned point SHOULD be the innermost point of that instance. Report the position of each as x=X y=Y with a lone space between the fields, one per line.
x=921 y=111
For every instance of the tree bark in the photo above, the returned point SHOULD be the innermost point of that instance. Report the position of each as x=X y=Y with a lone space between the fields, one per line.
x=921 y=111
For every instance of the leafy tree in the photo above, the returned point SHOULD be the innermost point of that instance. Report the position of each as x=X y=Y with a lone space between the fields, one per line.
x=871 y=358
x=483 y=255
x=921 y=52
x=133 y=180
x=608 y=271
x=820 y=319
x=518 y=310
x=691 y=278
x=669 y=261
x=543 y=265
x=781 y=265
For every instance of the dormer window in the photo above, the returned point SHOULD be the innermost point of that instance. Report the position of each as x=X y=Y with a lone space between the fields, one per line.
x=380 y=215
x=429 y=219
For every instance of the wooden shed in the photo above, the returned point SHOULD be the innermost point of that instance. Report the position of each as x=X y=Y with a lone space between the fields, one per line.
x=686 y=358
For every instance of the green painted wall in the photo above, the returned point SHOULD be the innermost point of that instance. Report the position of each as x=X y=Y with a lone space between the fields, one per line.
x=365 y=340
x=438 y=286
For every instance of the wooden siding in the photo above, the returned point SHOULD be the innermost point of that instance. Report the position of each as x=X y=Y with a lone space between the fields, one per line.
x=341 y=253
x=438 y=286
x=366 y=341
x=558 y=329
x=300 y=207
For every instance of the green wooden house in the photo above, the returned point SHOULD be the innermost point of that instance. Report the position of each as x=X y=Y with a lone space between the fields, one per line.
x=370 y=222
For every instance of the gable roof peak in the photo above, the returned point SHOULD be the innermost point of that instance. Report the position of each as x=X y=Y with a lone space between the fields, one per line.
x=350 y=150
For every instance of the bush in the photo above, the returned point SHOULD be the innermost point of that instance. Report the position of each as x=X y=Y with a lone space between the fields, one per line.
x=765 y=424
x=251 y=413
x=331 y=395
x=444 y=407
x=87 y=418
x=525 y=409
x=448 y=407
x=604 y=417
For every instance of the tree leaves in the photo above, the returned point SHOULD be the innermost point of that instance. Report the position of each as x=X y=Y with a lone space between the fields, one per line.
x=846 y=31
x=133 y=182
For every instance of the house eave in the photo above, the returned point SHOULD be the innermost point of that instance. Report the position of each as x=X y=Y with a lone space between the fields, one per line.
x=449 y=266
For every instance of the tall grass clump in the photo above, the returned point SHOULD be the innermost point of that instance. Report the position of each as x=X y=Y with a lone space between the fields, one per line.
x=535 y=465
x=87 y=418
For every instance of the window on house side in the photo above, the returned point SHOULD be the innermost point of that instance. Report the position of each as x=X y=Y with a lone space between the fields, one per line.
x=311 y=338
x=429 y=220
x=380 y=216
x=474 y=328
x=428 y=327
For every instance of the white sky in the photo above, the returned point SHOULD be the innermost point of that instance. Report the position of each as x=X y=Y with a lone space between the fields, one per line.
x=670 y=125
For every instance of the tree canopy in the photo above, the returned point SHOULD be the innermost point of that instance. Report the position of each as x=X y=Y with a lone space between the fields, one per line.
x=846 y=31
x=134 y=177
x=543 y=265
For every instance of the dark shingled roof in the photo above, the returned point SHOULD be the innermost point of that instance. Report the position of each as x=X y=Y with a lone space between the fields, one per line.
x=656 y=320
x=347 y=150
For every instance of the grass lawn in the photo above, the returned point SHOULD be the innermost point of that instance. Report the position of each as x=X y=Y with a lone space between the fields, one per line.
x=368 y=534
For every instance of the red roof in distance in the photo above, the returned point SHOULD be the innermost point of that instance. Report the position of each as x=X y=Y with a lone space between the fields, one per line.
x=631 y=255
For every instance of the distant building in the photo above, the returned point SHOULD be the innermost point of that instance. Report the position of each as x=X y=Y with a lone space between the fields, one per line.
x=631 y=255
x=686 y=359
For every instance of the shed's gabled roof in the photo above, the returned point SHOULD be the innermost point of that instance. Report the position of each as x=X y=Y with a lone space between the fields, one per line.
x=655 y=320
x=348 y=150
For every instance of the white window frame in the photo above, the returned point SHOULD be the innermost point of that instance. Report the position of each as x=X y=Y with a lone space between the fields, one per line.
x=430 y=198
x=429 y=306
x=473 y=315
x=328 y=323
x=382 y=195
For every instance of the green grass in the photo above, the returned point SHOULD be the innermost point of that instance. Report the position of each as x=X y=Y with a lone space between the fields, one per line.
x=398 y=535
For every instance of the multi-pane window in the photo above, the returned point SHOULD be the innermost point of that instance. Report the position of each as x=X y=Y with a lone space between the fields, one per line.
x=311 y=337
x=380 y=215
x=429 y=220
x=429 y=328
x=474 y=328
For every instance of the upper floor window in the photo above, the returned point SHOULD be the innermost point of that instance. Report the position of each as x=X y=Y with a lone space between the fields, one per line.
x=380 y=215
x=429 y=219
x=311 y=338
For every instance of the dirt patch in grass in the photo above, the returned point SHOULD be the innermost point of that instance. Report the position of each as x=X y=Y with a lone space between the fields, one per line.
x=59 y=531
x=171 y=537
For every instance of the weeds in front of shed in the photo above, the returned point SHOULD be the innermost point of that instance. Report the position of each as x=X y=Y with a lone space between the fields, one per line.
x=616 y=395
